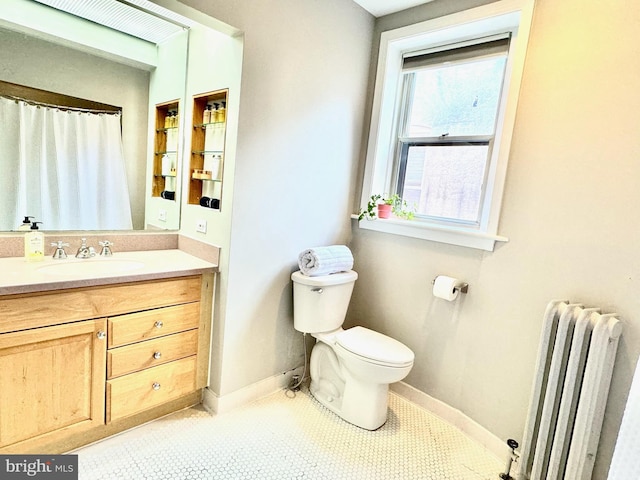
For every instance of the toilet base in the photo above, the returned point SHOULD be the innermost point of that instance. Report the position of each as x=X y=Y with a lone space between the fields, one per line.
x=363 y=404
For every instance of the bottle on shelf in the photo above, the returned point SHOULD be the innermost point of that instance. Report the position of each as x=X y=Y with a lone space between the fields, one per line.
x=216 y=163
x=206 y=115
x=167 y=120
x=215 y=113
x=167 y=164
x=222 y=112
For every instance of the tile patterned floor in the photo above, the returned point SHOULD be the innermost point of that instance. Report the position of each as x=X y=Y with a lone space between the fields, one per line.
x=281 y=438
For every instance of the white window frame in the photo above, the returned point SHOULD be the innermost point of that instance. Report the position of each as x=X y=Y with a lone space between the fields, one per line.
x=512 y=16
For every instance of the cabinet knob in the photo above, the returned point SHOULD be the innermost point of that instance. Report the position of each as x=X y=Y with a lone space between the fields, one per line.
x=101 y=335
x=158 y=324
x=157 y=355
x=156 y=386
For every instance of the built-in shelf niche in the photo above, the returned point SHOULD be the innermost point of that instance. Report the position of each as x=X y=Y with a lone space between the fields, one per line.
x=165 y=161
x=207 y=149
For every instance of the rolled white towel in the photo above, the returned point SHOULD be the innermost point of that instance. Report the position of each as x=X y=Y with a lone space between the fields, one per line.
x=318 y=261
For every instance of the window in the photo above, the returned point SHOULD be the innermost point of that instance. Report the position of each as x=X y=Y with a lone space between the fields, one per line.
x=444 y=108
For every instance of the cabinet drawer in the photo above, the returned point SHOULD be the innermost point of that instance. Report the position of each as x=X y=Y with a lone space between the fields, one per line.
x=20 y=312
x=131 y=358
x=151 y=387
x=134 y=327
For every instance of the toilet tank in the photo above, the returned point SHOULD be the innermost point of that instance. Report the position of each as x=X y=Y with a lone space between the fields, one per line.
x=320 y=303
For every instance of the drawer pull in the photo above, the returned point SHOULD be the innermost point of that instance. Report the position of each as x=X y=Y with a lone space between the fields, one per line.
x=156 y=386
x=101 y=335
x=158 y=324
x=157 y=355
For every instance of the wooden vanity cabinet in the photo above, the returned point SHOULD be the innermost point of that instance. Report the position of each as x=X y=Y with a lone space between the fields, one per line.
x=51 y=382
x=81 y=364
x=151 y=358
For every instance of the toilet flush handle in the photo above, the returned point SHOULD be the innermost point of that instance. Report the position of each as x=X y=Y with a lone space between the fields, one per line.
x=317 y=290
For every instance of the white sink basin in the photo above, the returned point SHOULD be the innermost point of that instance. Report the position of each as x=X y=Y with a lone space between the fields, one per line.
x=100 y=266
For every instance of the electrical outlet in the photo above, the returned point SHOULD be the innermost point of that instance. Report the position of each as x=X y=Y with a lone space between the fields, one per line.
x=162 y=215
x=201 y=226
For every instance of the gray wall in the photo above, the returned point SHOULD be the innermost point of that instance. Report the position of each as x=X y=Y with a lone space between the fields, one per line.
x=304 y=84
x=569 y=212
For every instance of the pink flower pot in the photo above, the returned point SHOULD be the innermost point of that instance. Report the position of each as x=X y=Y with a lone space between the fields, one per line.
x=384 y=210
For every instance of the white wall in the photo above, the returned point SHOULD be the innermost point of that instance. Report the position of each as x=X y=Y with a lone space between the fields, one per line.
x=304 y=81
x=167 y=84
x=569 y=212
x=214 y=64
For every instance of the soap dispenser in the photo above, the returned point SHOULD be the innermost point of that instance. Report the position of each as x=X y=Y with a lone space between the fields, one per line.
x=26 y=224
x=34 y=244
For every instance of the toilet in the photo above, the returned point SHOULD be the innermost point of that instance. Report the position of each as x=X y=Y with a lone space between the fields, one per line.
x=350 y=369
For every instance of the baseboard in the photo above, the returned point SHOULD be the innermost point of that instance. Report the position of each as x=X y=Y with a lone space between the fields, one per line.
x=222 y=404
x=453 y=417
x=225 y=403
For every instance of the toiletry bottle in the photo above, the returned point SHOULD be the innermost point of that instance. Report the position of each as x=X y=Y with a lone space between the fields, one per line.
x=206 y=115
x=34 y=244
x=215 y=167
x=26 y=224
x=166 y=165
x=222 y=115
x=215 y=113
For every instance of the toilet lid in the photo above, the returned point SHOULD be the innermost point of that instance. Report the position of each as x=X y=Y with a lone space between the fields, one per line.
x=375 y=346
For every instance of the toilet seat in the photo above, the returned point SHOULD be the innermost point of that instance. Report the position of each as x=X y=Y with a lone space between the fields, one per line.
x=374 y=347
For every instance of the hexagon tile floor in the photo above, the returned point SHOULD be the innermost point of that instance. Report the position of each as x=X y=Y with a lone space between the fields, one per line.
x=282 y=438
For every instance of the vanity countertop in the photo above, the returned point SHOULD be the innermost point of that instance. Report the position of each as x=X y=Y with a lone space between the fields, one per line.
x=19 y=276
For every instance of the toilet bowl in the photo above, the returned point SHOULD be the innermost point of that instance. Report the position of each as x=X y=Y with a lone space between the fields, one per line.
x=350 y=369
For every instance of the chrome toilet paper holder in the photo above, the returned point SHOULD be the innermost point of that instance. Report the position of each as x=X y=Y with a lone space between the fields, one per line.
x=461 y=287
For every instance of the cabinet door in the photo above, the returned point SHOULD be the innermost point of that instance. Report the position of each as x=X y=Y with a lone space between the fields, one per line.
x=52 y=383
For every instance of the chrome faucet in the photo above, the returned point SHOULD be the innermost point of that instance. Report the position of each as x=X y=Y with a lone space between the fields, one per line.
x=106 y=248
x=59 y=252
x=84 y=251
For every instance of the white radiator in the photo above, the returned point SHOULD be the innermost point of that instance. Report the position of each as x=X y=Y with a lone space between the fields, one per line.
x=575 y=361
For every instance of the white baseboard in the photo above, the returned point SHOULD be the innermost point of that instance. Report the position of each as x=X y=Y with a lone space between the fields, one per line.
x=222 y=404
x=453 y=417
x=225 y=403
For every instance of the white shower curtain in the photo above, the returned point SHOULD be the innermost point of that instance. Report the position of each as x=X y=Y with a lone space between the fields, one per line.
x=65 y=168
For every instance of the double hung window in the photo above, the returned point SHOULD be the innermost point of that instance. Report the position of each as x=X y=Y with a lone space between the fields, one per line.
x=447 y=127
x=443 y=115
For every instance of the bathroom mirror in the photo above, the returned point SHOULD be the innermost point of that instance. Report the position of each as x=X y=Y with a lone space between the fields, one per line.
x=47 y=49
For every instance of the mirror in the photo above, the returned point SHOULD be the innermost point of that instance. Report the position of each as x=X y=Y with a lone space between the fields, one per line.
x=75 y=57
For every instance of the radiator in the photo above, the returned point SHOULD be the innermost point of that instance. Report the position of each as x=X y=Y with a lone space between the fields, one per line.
x=574 y=366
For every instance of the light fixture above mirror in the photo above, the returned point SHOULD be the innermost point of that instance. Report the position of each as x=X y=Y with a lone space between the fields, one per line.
x=138 y=18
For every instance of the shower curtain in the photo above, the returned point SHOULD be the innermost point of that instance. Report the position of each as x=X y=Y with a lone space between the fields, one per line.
x=66 y=168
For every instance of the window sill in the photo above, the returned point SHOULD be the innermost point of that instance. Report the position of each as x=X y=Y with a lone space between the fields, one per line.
x=436 y=233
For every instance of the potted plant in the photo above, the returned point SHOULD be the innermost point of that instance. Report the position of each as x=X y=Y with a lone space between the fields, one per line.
x=381 y=206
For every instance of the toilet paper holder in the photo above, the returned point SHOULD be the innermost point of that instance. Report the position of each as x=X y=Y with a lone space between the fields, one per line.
x=461 y=287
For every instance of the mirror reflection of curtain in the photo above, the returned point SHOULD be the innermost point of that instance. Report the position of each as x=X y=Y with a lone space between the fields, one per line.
x=65 y=168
